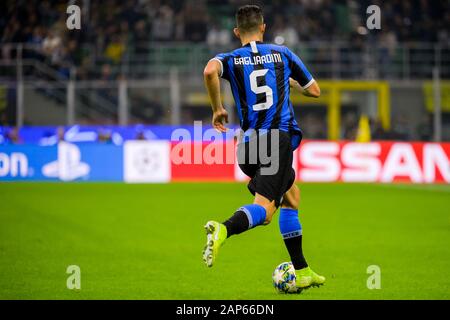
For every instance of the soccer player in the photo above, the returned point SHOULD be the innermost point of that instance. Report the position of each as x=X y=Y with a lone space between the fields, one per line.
x=261 y=76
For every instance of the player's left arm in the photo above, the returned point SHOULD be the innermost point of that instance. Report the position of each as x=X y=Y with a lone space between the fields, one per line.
x=313 y=90
x=301 y=79
x=211 y=76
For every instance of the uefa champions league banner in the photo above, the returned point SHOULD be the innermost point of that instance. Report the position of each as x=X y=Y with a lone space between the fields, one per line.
x=328 y=161
x=134 y=161
x=62 y=162
x=161 y=161
x=384 y=162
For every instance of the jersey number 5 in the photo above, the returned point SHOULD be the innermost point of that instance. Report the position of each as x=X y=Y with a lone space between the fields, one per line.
x=261 y=89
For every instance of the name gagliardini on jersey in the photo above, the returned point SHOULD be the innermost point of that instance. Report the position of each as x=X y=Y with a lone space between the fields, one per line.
x=268 y=58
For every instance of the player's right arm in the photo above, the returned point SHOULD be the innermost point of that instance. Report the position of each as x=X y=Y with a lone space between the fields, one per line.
x=211 y=76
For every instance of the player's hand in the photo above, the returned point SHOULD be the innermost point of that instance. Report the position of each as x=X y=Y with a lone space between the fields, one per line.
x=220 y=117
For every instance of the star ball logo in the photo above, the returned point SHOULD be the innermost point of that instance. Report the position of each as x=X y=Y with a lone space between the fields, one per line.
x=146 y=161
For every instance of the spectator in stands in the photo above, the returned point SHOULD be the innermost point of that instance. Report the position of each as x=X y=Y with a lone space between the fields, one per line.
x=115 y=49
x=105 y=135
x=350 y=126
x=140 y=135
x=284 y=34
x=37 y=36
x=52 y=47
x=179 y=29
x=108 y=92
x=313 y=126
x=11 y=35
x=141 y=38
x=162 y=27
x=218 y=37
x=377 y=131
x=388 y=45
x=400 y=129
x=425 y=128
x=353 y=56
x=144 y=134
x=60 y=134
x=195 y=18
x=13 y=136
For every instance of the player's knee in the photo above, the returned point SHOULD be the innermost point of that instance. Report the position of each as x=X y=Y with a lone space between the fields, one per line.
x=292 y=200
x=296 y=198
x=270 y=211
x=268 y=205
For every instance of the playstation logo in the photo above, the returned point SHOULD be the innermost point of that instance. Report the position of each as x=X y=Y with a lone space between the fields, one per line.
x=68 y=166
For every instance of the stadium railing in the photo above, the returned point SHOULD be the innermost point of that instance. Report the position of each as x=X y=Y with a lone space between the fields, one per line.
x=43 y=95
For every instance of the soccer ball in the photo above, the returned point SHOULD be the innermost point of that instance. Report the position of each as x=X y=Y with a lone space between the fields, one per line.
x=283 y=278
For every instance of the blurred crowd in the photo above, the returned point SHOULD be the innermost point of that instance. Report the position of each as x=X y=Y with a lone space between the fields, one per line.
x=111 y=28
x=314 y=126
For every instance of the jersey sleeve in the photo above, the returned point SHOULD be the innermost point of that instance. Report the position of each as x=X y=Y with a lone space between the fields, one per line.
x=222 y=58
x=298 y=70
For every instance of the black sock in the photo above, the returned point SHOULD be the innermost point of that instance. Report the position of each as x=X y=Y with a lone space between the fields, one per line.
x=237 y=223
x=294 y=246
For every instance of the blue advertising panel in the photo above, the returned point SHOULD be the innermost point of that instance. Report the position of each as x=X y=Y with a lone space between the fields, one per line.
x=62 y=162
x=50 y=135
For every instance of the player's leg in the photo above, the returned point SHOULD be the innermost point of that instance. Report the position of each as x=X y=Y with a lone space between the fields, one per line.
x=267 y=188
x=250 y=216
x=245 y=218
x=291 y=230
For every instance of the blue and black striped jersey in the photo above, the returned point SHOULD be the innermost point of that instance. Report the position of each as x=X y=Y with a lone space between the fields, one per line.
x=259 y=77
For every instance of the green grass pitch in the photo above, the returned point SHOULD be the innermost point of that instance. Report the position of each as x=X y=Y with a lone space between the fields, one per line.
x=145 y=241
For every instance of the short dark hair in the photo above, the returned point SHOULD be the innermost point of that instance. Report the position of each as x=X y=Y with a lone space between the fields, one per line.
x=249 y=17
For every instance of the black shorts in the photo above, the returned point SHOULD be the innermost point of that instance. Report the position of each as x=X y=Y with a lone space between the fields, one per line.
x=265 y=180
